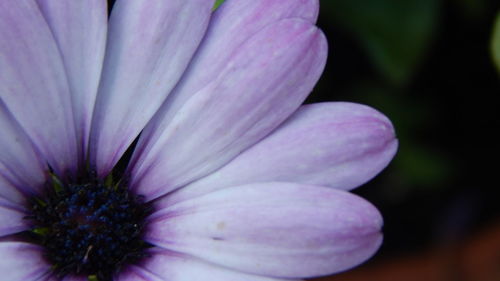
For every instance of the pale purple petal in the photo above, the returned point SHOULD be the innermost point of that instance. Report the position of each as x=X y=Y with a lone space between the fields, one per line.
x=21 y=262
x=341 y=145
x=33 y=83
x=170 y=266
x=282 y=230
x=9 y=191
x=67 y=278
x=232 y=25
x=79 y=28
x=21 y=170
x=150 y=43
x=262 y=85
x=11 y=218
x=133 y=273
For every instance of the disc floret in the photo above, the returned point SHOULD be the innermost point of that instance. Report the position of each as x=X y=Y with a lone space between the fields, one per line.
x=90 y=228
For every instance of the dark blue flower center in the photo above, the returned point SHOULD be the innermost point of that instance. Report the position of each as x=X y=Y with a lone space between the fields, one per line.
x=90 y=229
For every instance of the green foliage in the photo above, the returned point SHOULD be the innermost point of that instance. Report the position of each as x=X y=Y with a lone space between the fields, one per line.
x=472 y=10
x=42 y=231
x=218 y=3
x=495 y=42
x=395 y=34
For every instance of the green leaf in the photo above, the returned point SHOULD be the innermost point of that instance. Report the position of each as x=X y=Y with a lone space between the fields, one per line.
x=217 y=4
x=108 y=181
x=394 y=33
x=56 y=183
x=40 y=202
x=495 y=43
x=41 y=231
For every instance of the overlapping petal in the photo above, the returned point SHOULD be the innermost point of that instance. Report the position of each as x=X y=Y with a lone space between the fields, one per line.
x=11 y=218
x=79 y=28
x=21 y=170
x=8 y=191
x=231 y=26
x=21 y=262
x=341 y=145
x=133 y=273
x=150 y=43
x=33 y=83
x=274 y=229
x=263 y=83
x=54 y=277
x=167 y=266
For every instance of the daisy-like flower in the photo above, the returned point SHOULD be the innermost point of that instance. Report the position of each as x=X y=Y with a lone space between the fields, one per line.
x=230 y=179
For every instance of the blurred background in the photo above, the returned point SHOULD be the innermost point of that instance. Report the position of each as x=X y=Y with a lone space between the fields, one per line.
x=426 y=64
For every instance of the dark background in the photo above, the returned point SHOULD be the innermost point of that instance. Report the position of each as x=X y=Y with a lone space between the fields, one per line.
x=427 y=65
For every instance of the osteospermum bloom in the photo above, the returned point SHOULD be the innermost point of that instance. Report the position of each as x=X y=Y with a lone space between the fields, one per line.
x=229 y=179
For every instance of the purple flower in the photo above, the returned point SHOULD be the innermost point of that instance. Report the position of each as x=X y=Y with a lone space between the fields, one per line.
x=230 y=179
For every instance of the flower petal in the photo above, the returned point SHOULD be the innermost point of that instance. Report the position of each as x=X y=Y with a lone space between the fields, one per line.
x=8 y=191
x=21 y=261
x=263 y=84
x=282 y=230
x=134 y=273
x=11 y=218
x=21 y=170
x=150 y=43
x=231 y=25
x=79 y=28
x=33 y=83
x=170 y=266
x=341 y=145
x=54 y=277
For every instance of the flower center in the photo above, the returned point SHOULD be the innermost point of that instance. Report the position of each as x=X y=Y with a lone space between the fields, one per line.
x=90 y=229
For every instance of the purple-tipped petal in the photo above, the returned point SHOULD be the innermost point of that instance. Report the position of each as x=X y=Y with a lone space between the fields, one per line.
x=33 y=83
x=22 y=262
x=11 y=218
x=150 y=43
x=79 y=28
x=21 y=170
x=231 y=25
x=170 y=266
x=282 y=230
x=341 y=145
x=262 y=85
